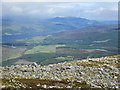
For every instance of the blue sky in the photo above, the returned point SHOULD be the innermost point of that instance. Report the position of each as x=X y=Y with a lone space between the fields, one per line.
x=89 y=10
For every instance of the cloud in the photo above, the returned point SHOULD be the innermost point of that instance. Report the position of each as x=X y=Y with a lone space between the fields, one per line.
x=33 y=12
x=51 y=11
x=16 y=10
x=91 y=10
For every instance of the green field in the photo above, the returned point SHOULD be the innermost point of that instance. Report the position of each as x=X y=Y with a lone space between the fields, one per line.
x=43 y=49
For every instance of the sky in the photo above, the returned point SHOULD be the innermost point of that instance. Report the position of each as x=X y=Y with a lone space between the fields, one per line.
x=89 y=10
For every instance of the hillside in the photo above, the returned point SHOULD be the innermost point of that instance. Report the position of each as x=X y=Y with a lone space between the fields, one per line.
x=88 y=73
x=55 y=40
x=92 y=41
x=14 y=27
x=18 y=27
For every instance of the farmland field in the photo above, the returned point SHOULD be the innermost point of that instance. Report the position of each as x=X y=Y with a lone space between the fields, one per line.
x=43 y=49
x=12 y=52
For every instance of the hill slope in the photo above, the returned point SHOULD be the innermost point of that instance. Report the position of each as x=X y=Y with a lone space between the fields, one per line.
x=56 y=40
x=89 y=73
x=92 y=41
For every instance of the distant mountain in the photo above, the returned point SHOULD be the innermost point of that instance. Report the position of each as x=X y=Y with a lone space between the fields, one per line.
x=74 y=21
x=109 y=22
x=26 y=26
x=20 y=28
x=57 y=20
x=87 y=31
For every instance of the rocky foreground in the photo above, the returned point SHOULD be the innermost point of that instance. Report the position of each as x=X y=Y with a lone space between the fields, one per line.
x=89 y=73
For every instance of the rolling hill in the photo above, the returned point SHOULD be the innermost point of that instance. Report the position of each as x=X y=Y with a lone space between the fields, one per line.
x=57 y=40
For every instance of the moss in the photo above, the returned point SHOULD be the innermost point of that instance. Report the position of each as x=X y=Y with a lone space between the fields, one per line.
x=97 y=62
x=115 y=56
x=82 y=84
x=34 y=82
x=107 y=67
x=4 y=81
x=86 y=64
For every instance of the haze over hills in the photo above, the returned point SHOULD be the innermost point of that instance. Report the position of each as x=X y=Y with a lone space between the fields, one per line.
x=20 y=27
x=57 y=39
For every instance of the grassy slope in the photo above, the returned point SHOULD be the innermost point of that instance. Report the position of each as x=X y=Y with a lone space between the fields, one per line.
x=12 y=52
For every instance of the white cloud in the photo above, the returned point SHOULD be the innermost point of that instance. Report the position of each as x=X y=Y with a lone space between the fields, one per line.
x=33 y=12
x=88 y=10
x=16 y=9
x=51 y=11
x=60 y=1
x=114 y=8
